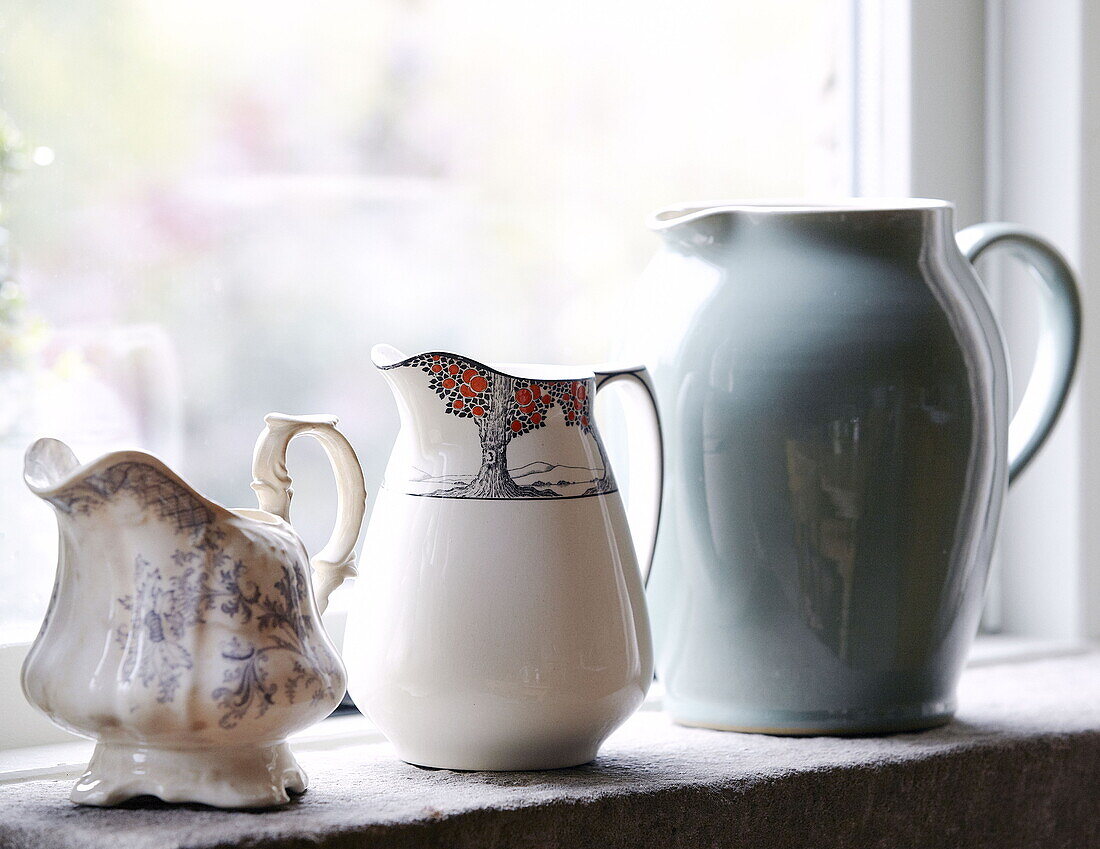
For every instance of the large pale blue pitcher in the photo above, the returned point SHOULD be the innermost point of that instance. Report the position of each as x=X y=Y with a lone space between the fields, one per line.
x=836 y=394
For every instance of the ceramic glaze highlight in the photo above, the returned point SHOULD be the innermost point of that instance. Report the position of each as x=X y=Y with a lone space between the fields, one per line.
x=182 y=636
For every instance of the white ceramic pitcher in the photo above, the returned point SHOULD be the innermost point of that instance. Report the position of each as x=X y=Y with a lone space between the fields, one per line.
x=500 y=623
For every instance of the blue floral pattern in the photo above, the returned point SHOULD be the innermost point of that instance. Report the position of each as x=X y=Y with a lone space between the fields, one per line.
x=202 y=583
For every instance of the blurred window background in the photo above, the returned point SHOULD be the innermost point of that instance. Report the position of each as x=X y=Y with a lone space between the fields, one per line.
x=213 y=210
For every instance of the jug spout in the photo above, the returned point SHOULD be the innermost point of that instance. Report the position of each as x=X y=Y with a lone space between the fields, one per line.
x=47 y=463
x=414 y=413
x=401 y=381
x=385 y=356
x=404 y=383
x=694 y=229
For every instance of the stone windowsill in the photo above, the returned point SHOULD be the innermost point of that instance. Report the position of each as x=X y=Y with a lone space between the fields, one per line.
x=1019 y=767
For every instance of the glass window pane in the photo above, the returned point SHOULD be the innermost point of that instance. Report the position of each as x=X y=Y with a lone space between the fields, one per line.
x=234 y=201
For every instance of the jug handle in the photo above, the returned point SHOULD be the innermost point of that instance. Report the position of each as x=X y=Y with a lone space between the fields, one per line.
x=336 y=561
x=644 y=434
x=1059 y=338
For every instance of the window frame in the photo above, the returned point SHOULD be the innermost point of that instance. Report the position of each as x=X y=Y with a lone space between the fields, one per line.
x=970 y=129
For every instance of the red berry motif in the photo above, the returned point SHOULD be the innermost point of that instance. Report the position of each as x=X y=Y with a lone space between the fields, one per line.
x=572 y=396
x=462 y=384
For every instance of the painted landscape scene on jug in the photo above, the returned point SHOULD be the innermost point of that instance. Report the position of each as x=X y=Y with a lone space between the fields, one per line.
x=511 y=437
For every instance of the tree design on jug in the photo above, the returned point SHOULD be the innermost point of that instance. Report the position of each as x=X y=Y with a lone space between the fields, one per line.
x=504 y=408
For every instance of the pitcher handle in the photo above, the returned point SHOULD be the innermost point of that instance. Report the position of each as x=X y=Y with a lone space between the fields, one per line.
x=1059 y=338
x=645 y=427
x=336 y=561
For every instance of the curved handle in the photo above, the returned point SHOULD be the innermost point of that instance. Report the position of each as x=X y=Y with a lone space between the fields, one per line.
x=1059 y=338
x=645 y=488
x=271 y=482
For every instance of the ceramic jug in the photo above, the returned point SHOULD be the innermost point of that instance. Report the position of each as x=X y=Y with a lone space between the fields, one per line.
x=500 y=623
x=836 y=397
x=182 y=636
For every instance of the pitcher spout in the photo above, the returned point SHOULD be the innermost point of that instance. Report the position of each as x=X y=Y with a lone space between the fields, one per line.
x=385 y=356
x=388 y=360
x=47 y=464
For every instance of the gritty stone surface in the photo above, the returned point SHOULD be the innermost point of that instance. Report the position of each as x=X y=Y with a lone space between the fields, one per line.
x=1020 y=767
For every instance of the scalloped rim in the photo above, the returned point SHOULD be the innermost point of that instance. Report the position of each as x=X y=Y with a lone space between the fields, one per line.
x=105 y=461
